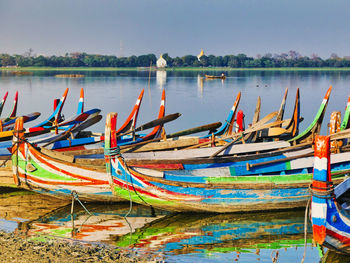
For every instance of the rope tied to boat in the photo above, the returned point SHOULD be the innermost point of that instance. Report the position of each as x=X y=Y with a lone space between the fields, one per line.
x=113 y=151
x=307 y=213
x=19 y=140
x=76 y=197
x=322 y=192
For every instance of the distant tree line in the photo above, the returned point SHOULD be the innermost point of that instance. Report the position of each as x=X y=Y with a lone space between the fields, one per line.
x=77 y=59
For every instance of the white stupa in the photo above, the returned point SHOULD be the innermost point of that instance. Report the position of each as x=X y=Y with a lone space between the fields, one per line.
x=161 y=62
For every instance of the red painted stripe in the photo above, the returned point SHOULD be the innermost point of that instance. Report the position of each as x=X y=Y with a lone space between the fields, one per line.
x=47 y=163
x=132 y=188
x=319 y=184
x=174 y=166
x=342 y=239
x=37 y=180
x=319 y=233
x=171 y=193
x=133 y=114
x=203 y=140
x=74 y=148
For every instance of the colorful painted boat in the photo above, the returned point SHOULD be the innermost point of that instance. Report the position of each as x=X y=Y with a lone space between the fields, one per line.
x=36 y=171
x=213 y=193
x=329 y=207
x=249 y=163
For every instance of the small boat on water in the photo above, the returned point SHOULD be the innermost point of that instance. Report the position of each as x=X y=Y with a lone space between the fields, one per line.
x=222 y=76
x=69 y=76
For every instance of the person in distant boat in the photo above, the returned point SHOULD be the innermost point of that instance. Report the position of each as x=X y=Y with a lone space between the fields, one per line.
x=222 y=75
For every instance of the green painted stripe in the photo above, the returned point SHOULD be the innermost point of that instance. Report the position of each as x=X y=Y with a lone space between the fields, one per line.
x=262 y=179
x=288 y=166
x=345 y=122
x=316 y=119
x=42 y=173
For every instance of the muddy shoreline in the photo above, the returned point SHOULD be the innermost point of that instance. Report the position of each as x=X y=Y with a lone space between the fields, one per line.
x=17 y=248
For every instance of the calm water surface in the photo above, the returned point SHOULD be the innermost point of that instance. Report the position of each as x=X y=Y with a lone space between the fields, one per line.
x=199 y=101
x=174 y=237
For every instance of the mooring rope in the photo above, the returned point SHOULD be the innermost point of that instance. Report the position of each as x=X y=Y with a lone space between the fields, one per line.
x=75 y=196
x=305 y=229
x=115 y=152
x=19 y=140
x=322 y=192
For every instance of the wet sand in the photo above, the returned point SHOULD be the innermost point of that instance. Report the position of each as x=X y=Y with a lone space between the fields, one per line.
x=15 y=248
x=20 y=207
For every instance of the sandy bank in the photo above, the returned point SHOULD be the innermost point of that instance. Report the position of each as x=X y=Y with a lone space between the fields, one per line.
x=14 y=248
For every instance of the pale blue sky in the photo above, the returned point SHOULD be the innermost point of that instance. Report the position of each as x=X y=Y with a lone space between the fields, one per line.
x=177 y=27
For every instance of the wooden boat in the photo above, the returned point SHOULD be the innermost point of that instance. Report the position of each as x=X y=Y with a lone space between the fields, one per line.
x=146 y=156
x=222 y=76
x=36 y=171
x=329 y=206
x=69 y=76
x=126 y=133
x=62 y=128
x=213 y=193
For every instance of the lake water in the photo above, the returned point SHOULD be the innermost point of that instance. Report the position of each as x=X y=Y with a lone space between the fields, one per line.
x=199 y=101
x=174 y=237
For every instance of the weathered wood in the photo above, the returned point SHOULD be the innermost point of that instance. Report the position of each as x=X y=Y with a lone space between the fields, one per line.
x=315 y=126
x=57 y=155
x=279 y=116
x=164 y=145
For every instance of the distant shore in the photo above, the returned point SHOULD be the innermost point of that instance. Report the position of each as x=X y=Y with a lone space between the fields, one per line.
x=166 y=69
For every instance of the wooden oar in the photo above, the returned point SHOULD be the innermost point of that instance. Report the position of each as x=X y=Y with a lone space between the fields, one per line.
x=210 y=127
x=234 y=136
x=76 y=128
x=177 y=134
x=259 y=124
x=153 y=123
x=315 y=126
x=252 y=136
x=280 y=114
x=280 y=160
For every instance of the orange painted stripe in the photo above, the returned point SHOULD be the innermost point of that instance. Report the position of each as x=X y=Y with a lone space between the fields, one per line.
x=45 y=162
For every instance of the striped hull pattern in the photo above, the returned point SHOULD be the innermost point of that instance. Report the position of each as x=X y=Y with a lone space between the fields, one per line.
x=340 y=162
x=330 y=223
x=47 y=175
x=210 y=194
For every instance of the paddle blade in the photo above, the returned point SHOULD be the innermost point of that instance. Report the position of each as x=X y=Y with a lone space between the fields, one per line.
x=157 y=122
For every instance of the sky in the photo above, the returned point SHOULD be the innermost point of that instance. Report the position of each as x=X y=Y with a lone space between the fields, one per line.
x=180 y=27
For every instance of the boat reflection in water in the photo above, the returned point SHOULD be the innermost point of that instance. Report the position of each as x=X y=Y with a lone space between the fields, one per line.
x=198 y=233
x=105 y=222
x=252 y=235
